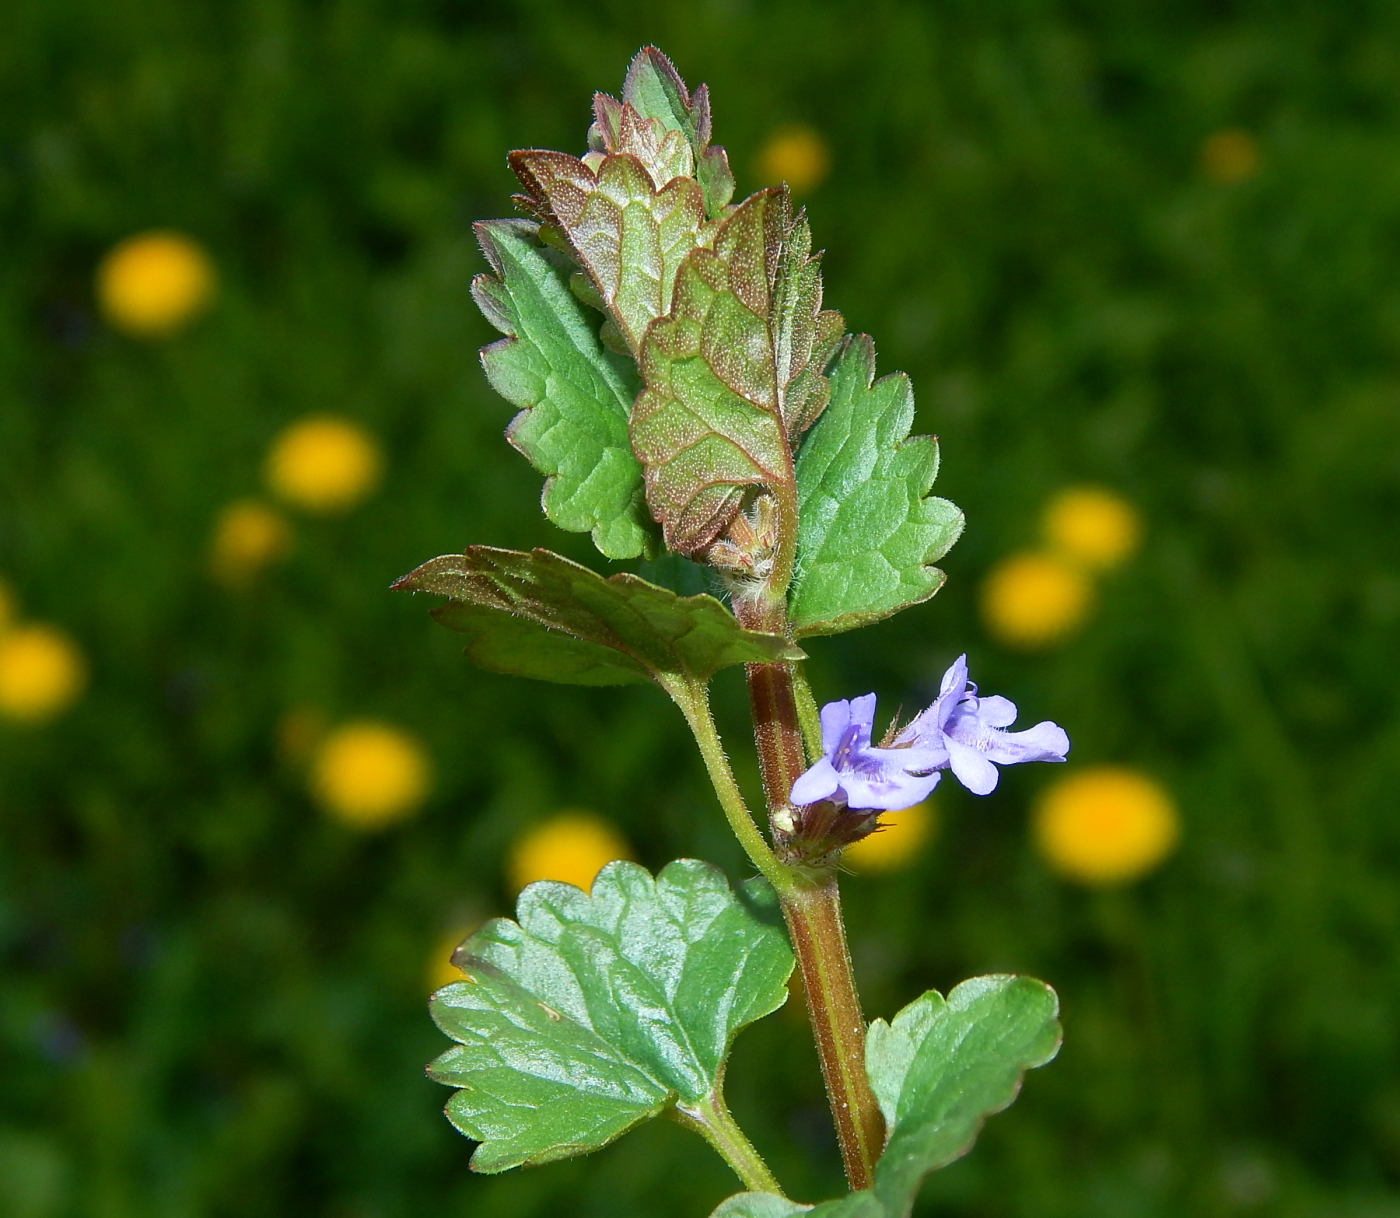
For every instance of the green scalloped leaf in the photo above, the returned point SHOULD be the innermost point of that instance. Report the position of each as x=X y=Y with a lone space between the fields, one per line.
x=593 y=1012
x=575 y=395
x=938 y=1070
x=733 y=373
x=538 y=614
x=869 y=529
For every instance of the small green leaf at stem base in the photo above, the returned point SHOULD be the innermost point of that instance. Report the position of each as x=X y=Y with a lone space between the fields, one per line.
x=594 y=1012
x=869 y=527
x=575 y=396
x=938 y=1070
x=538 y=614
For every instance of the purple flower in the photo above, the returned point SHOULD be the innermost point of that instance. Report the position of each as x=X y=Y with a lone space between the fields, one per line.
x=966 y=731
x=960 y=732
x=854 y=773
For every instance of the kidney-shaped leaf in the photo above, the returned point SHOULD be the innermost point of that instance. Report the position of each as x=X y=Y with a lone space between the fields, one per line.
x=938 y=1070
x=538 y=614
x=593 y=1012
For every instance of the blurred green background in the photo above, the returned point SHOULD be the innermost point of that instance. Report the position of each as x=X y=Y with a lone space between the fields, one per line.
x=213 y=994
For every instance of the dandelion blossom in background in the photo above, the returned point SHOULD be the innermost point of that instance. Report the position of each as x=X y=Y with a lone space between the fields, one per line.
x=1033 y=600
x=1230 y=156
x=1106 y=825
x=897 y=843
x=370 y=775
x=324 y=464
x=572 y=847
x=153 y=284
x=1092 y=526
x=796 y=155
x=248 y=536
x=42 y=673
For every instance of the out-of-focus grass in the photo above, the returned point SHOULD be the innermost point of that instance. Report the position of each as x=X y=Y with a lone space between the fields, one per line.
x=213 y=994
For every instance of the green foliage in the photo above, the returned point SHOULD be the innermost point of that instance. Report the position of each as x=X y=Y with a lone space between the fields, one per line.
x=592 y=1013
x=540 y=615
x=575 y=395
x=211 y=1002
x=938 y=1069
x=869 y=528
x=758 y=1205
x=733 y=373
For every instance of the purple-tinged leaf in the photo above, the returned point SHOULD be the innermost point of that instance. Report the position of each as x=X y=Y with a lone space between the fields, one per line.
x=527 y=612
x=734 y=374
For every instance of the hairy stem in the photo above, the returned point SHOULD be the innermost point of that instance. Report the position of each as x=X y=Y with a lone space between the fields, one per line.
x=838 y=1024
x=777 y=731
x=694 y=701
x=808 y=717
x=812 y=907
x=712 y=1120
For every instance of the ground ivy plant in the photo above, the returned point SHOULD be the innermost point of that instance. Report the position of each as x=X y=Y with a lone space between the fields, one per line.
x=690 y=401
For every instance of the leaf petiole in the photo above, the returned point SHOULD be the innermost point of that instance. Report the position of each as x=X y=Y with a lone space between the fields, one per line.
x=711 y=1119
x=694 y=700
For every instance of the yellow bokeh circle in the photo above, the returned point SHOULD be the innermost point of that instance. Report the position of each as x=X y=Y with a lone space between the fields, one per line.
x=572 y=846
x=1093 y=526
x=368 y=775
x=248 y=536
x=152 y=284
x=1106 y=825
x=42 y=673
x=324 y=464
x=1032 y=600
x=898 y=842
x=796 y=155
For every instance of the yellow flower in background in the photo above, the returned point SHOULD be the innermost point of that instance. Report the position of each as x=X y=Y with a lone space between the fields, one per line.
x=152 y=284
x=898 y=842
x=1230 y=156
x=7 y=606
x=1032 y=600
x=248 y=536
x=41 y=673
x=1106 y=825
x=572 y=847
x=369 y=775
x=441 y=970
x=796 y=155
x=1093 y=526
x=324 y=464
